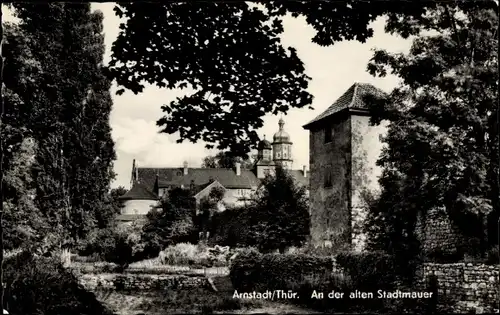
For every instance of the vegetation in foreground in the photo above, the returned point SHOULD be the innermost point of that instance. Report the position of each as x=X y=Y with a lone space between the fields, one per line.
x=41 y=285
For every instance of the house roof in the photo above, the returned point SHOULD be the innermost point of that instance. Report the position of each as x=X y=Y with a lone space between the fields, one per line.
x=168 y=177
x=207 y=186
x=298 y=175
x=352 y=99
x=139 y=192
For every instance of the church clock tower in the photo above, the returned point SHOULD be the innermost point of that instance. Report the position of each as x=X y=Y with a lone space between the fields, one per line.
x=282 y=147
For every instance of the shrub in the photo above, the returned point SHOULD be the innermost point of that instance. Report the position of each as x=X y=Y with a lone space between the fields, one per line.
x=254 y=271
x=369 y=271
x=301 y=273
x=194 y=255
x=233 y=227
x=113 y=245
x=42 y=286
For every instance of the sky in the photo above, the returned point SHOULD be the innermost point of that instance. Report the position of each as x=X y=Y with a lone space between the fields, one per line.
x=332 y=69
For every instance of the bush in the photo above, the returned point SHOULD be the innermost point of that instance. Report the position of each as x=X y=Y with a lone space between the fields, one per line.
x=194 y=255
x=43 y=286
x=254 y=271
x=369 y=271
x=233 y=227
x=300 y=273
x=304 y=274
x=112 y=245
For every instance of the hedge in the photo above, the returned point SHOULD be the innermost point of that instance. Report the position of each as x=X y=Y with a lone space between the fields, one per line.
x=301 y=273
x=254 y=271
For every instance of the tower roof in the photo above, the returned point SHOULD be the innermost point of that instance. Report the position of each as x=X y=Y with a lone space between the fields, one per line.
x=264 y=145
x=351 y=99
x=281 y=136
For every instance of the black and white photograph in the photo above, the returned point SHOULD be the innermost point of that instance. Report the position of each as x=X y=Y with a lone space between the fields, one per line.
x=259 y=157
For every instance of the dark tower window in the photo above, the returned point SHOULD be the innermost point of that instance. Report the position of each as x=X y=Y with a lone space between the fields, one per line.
x=328 y=178
x=328 y=134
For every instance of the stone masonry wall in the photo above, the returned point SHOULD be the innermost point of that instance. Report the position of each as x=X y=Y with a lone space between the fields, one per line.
x=464 y=287
x=366 y=148
x=330 y=205
x=438 y=232
x=141 y=281
x=358 y=235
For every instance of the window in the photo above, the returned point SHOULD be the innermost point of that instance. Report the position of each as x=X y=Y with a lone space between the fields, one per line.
x=328 y=134
x=328 y=178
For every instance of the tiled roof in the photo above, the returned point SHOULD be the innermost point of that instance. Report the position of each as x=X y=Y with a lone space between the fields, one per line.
x=352 y=98
x=168 y=177
x=298 y=175
x=264 y=144
x=201 y=188
x=139 y=192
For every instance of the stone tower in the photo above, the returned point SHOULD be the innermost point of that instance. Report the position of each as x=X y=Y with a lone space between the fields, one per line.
x=343 y=150
x=282 y=147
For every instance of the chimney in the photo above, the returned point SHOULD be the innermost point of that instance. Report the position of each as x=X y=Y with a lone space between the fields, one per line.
x=185 y=168
x=238 y=168
x=136 y=172
x=132 y=176
x=304 y=171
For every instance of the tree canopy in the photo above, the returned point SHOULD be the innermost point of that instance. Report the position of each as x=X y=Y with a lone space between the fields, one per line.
x=57 y=94
x=233 y=59
x=442 y=142
x=283 y=212
x=173 y=222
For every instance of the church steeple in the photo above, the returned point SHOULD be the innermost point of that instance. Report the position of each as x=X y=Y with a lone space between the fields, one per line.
x=282 y=146
x=281 y=123
x=264 y=150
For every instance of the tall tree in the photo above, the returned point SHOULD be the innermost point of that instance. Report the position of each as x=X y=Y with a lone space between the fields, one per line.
x=283 y=212
x=69 y=113
x=23 y=222
x=112 y=207
x=442 y=142
x=233 y=58
x=174 y=223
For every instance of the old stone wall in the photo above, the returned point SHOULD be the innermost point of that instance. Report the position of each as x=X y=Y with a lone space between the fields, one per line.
x=366 y=148
x=438 y=233
x=141 y=281
x=330 y=217
x=464 y=287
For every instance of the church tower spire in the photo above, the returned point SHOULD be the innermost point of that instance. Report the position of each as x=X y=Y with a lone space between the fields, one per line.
x=282 y=147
